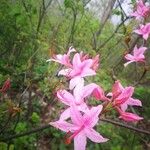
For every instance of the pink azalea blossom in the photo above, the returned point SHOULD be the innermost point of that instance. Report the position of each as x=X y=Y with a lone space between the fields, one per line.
x=138 y=55
x=63 y=59
x=130 y=117
x=80 y=92
x=144 y=30
x=141 y=10
x=122 y=97
x=79 y=68
x=81 y=127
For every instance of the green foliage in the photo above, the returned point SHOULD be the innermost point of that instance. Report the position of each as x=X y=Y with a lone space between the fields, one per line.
x=35 y=117
x=5 y=146
x=29 y=35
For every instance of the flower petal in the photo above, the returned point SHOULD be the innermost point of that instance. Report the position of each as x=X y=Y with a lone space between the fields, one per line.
x=80 y=141
x=76 y=116
x=95 y=136
x=64 y=126
x=91 y=117
x=75 y=81
x=65 y=97
x=65 y=114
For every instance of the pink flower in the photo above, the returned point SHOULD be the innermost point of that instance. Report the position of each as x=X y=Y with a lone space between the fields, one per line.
x=63 y=59
x=144 y=30
x=122 y=97
x=79 y=68
x=138 y=55
x=141 y=10
x=81 y=127
x=80 y=92
x=130 y=117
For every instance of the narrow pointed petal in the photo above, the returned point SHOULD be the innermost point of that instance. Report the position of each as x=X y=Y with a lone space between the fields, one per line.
x=91 y=117
x=93 y=89
x=80 y=141
x=65 y=114
x=75 y=81
x=124 y=107
x=88 y=72
x=95 y=136
x=130 y=117
x=65 y=72
x=65 y=97
x=134 y=102
x=76 y=116
x=63 y=125
x=127 y=63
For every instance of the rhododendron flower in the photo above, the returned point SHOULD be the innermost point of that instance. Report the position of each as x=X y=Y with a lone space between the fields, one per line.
x=63 y=59
x=81 y=127
x=80 y=92
x=130 y=117
x=144 y=30
x=122 y=97
x=138 y=55
x=141 y=10
x=79 y=68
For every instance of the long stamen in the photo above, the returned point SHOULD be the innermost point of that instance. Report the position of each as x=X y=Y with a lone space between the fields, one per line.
x=68 y=139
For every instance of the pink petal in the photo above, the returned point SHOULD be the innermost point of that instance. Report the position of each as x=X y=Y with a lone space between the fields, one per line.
x=80 y=141
x=64 y=126
x=95 y=136
x=134 y=102
x=125 y=65
x=65 y=114
x=145 y=36
x=130 y=117
x=76 y=61
x=65 y=97
x=65 y=72
x=124 y=107
x=124 y=96
x=129 y=57
x=75 y=81
x=91 y=117
x=117 y=89
x=95 y=90
x=138 y=31
x=78 y=93
x=76 y=116
x=88 y=72
x=139 y=51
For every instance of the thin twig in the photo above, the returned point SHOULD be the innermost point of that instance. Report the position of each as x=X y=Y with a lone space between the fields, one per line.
x=126 y=126
x=26 y=133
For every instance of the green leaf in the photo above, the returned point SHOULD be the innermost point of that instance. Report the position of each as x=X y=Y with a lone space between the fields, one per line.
x=35 y=117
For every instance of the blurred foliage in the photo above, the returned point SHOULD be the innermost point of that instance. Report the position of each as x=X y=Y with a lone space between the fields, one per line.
x=32 y=31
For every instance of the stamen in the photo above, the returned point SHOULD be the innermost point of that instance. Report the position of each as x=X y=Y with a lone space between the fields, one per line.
x=68 y=139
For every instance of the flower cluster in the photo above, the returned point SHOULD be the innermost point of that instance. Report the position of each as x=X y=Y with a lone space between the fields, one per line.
x=142 y=12
x=79 y=118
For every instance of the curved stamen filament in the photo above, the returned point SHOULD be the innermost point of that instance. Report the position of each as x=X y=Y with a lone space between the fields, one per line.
x=68 y=139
